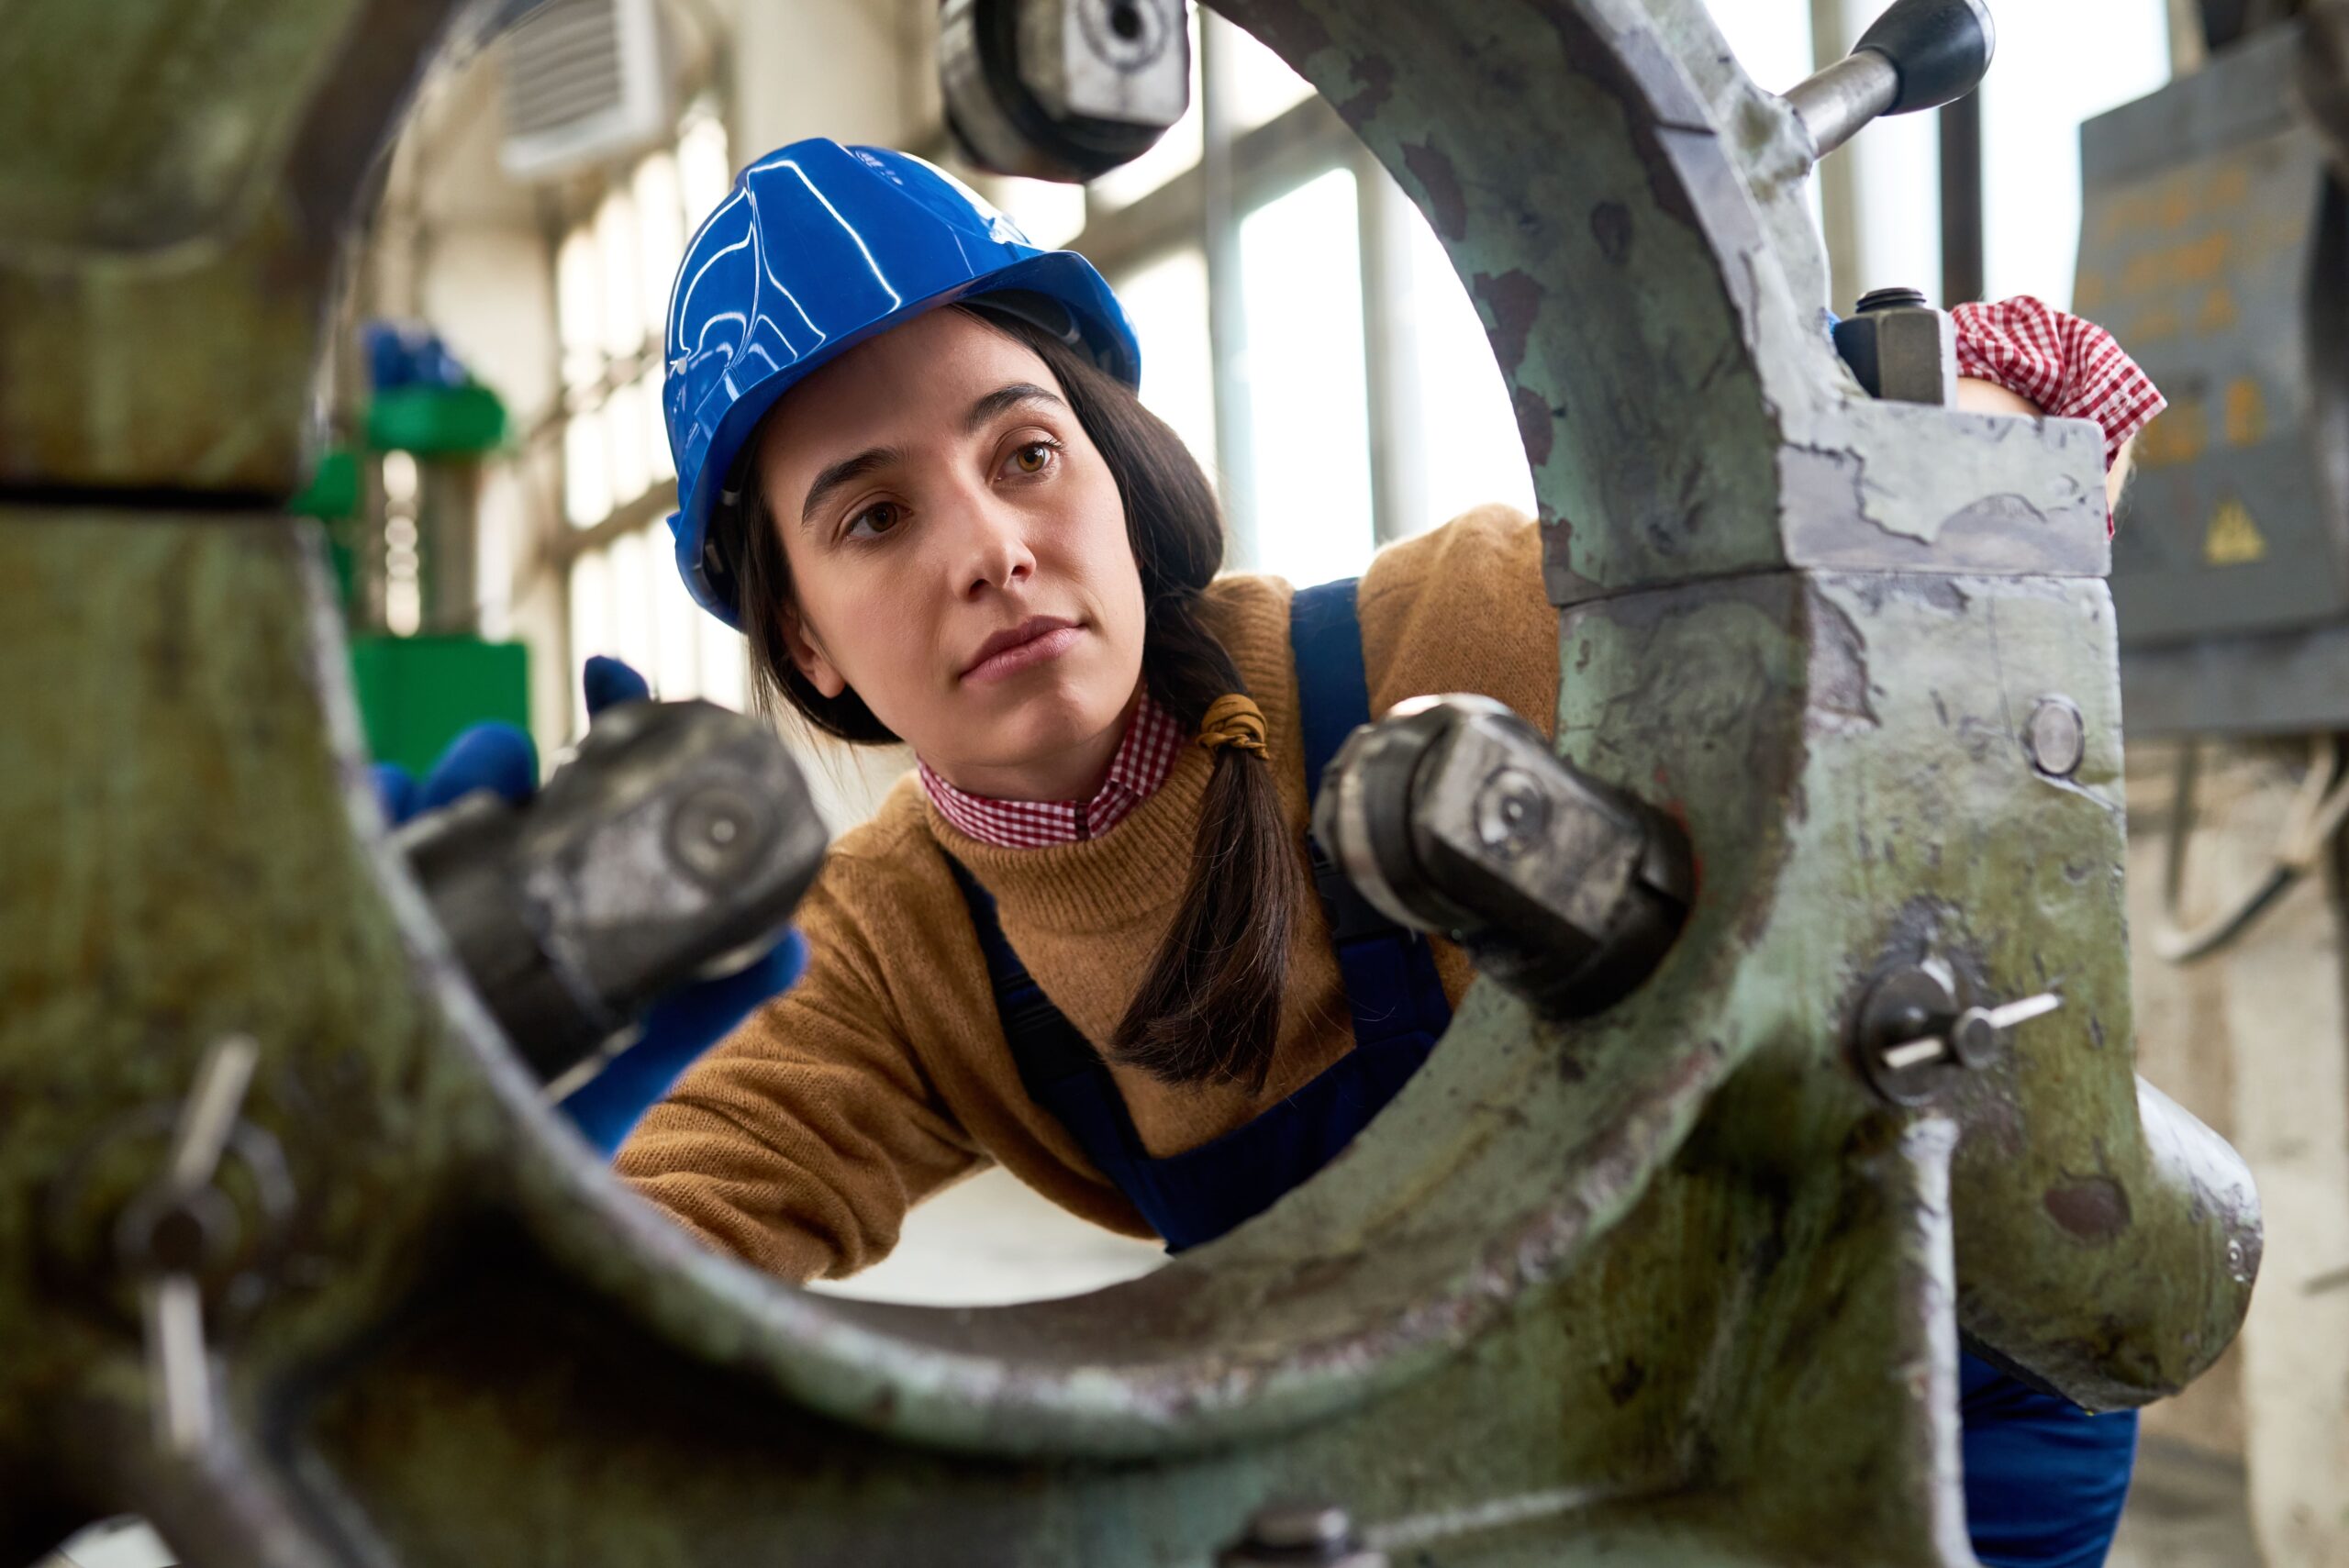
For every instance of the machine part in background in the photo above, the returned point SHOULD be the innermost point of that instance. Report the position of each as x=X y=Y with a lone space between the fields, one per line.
x=1919 y=55
x=2318 y=809
x=1452 y=815
x=1063 y=89
x=674 y=846
x=2322 y=78
x=417 y=693
x=1901 y=348
x=2214 y=242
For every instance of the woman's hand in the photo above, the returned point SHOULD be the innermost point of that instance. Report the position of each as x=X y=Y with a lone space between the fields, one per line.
x=682 y=1024
x=2023 y=356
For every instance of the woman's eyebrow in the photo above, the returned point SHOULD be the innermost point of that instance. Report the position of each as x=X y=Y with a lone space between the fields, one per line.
x=847 y=471
x=1004 y=397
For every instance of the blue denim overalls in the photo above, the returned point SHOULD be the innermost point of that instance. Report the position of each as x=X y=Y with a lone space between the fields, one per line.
x=2044 y=1480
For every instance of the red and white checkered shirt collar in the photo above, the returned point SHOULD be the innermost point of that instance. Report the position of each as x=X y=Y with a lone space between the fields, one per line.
x=1154 y=740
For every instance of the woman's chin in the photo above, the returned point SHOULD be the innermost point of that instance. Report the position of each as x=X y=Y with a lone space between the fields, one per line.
x=1050 y=724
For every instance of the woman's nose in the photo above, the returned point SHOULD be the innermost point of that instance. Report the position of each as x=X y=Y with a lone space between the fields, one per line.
x=997 y=554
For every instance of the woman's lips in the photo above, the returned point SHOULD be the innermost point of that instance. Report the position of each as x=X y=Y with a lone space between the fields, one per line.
x=1037 y=649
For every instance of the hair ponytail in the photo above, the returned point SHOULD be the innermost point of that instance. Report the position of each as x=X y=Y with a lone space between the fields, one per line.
x=1209 y=1005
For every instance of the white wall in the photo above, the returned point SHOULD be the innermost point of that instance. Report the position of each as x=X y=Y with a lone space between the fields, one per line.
x=836 y=68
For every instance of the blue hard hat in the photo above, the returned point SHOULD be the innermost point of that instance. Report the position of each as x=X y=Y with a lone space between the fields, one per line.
x=817 y=247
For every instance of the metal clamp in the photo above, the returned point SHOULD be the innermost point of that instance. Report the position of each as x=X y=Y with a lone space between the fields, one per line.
x=1063 y=89
x=674 y=846
x=1452 y=815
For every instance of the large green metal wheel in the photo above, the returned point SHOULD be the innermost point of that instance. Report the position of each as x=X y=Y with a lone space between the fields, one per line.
x=1671 y=1285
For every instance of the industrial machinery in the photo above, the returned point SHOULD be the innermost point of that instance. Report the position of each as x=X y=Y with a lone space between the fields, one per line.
x=2215 y=244
x=671 y=847
x=298 y=1265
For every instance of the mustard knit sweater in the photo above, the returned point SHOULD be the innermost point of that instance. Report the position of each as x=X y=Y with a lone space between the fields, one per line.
x=799 y=1142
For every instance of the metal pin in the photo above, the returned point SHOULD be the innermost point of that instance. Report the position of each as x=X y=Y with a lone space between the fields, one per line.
x=1915 y=1053
x=209 y=1115
x=2022 y=1012
x=174 y=1307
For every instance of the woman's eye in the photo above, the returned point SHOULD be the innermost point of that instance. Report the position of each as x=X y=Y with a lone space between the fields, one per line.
x=877 y=518
x=1033 y=458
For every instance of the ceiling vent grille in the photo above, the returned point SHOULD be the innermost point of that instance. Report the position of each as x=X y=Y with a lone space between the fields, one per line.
x=587 y=83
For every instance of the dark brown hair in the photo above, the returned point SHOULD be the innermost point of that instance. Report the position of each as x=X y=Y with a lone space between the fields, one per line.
x=1210 y=1005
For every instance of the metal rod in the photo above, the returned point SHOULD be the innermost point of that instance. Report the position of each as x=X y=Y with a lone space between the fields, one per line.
x=1226 y=313
x=176 y=1361
x=1836 y=103
x=209 y=1114
x=1390 y=361
x=1962 y=226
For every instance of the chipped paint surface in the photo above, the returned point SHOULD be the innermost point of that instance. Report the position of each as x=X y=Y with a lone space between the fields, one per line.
x=1626 y=1293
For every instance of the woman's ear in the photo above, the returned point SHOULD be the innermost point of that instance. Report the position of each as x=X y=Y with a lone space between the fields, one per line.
x=808 y=658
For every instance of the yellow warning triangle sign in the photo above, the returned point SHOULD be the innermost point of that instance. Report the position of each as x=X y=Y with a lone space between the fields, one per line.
x=2233 y=540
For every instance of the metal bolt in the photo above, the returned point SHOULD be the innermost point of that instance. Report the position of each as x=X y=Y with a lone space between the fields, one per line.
x=1910 y=1026
x=1889 y=299
x=1300 y=1535
x=1900 y=347
x=1974 y=1037
x=1512 y=811
x=2057 y=736
x=717 y=832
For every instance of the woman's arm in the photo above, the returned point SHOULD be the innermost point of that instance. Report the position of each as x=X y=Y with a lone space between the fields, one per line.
x=799 y=1142
x=1989 y=397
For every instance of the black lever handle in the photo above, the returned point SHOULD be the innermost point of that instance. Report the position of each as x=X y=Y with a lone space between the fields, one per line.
x=1919 y=55
x=1940 y=48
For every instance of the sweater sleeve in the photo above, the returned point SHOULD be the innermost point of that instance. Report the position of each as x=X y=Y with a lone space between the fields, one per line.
x=799 y=1142
x=1462 y=608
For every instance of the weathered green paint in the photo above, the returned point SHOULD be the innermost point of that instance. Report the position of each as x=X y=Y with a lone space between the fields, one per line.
x=177 y=180
x=1668 y=1286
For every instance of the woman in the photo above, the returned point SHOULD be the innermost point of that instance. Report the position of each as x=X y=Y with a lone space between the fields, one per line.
x=1082 y=940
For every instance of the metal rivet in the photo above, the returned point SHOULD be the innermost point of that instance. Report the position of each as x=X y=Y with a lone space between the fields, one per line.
x=1512 y=811
x=717 y=832
x=2056 y=738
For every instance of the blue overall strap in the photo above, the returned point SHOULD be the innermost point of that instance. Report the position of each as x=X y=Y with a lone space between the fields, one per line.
x=1198 y=1194
x=1045 y=1046
x=1392 y=987
x=2044 y=1480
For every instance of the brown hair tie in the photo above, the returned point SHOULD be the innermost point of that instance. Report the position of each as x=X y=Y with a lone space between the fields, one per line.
x=1233 y=720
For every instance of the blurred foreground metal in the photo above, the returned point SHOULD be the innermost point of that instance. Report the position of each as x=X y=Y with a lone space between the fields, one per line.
x=1672 y=1285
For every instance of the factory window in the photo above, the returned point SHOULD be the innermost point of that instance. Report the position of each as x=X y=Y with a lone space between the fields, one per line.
x=1167 y=300
x=1301 y=286
x=2032 y=107
x=1349 y=347
x=613 y=271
